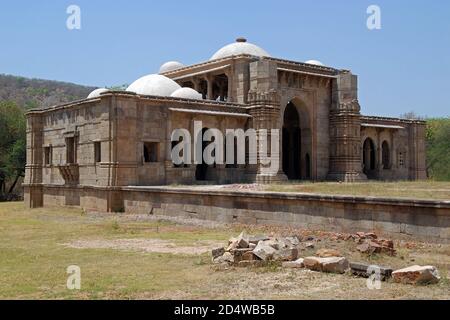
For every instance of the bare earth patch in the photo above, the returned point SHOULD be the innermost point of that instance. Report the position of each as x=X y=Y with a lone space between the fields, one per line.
x=145 y=245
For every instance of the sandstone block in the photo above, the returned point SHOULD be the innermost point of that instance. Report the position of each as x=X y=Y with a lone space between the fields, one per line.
x=329 y=264
x=217 y=252
x=293 y=264
x=264 y=251
x=417 y=275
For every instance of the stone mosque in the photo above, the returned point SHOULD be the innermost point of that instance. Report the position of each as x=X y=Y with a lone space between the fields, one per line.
x=86 y=152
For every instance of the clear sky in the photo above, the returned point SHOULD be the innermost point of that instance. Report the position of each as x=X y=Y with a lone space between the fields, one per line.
x=404 y=66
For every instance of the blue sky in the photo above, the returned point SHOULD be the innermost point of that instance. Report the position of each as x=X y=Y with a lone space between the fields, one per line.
x=402 y=67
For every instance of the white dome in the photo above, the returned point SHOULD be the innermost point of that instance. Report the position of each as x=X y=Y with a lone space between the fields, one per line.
x=314 y=62
x=170 y=66
x=96 y=93
x=154 y=85
x=187 y=93
x=241 y=46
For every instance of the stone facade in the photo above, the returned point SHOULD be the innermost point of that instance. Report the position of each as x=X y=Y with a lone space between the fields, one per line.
x=90 y=150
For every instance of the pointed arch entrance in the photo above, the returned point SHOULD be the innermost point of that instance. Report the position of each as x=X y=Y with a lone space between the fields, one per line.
x=369 y=158
x=296 y=138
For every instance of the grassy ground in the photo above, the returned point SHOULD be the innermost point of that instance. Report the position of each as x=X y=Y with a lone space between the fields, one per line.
x=438 y=190
x=34 y=255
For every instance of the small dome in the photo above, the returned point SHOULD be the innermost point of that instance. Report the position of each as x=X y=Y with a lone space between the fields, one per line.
x=96 y=93
x=187 y=93
x=314 y=62
x=241 y=46
x=170 y=66
x=153 y=85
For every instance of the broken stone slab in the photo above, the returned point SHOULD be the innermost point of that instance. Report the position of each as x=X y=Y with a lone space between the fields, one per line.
x=242 y=241
x=286 y=254
x=361 y=270
x=232 y=244
x=329 y=264
x=264 y=251
x=217 y=252
x=227 y=257
x=377 y=246
x=239 y=253
x=325 y=253
x=274 y=243
x=417 y=275
x=249 y=256
x=297 y=264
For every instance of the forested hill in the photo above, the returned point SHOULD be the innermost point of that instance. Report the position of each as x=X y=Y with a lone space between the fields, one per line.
x=36 y=93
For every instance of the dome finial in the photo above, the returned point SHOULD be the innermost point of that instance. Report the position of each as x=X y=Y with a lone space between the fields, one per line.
x=241 y=39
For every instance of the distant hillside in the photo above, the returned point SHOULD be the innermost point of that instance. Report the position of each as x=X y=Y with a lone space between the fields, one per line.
x=37 y=93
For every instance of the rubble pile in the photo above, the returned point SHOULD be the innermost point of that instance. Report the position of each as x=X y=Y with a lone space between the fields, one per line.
x=257 y=250
x=246 y=250
x=370 y=243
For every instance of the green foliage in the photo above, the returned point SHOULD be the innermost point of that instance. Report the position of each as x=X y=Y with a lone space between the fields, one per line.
x=438 y=148
x=12 y=142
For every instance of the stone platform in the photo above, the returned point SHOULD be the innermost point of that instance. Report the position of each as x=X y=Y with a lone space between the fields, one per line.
x=422 y=219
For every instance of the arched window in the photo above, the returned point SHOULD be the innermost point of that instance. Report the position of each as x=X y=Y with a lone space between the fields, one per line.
x=385 y=155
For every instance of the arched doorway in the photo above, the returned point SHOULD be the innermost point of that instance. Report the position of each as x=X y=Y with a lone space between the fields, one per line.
x=202 y=168
x=385 y=155
x=297 y=154
x=291 y=142
x=369 y=158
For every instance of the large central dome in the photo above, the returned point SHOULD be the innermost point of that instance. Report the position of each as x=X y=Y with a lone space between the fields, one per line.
x=154 y=85
x=241 y=46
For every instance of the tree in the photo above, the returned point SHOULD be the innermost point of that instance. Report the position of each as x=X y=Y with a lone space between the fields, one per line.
x=12 y=145
x=438 y=148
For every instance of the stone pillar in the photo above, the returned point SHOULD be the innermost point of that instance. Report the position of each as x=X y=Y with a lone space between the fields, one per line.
x=33 y=192
x=230 y=86
x=345 y=130
x=265 y=110
x=209 y=81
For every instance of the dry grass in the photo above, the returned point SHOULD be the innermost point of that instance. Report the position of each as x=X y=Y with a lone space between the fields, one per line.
x=405 y=189
x=34 y=257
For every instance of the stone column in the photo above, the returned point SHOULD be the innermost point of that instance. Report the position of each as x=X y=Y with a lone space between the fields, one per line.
x=209 y=81
x=345 y=130
x=265 y=110
x=33 y=192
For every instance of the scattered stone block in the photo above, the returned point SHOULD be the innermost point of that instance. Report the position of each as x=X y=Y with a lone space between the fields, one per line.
x=239 y=253
x=297 y=264
x=227 y=257
x=361 y=270
x=264 y=251
x=417 y=275
x=249 y=256
x=377 y=246
x=329 y=264
x=242 y=241
x=217 y=252
x=286 y=254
